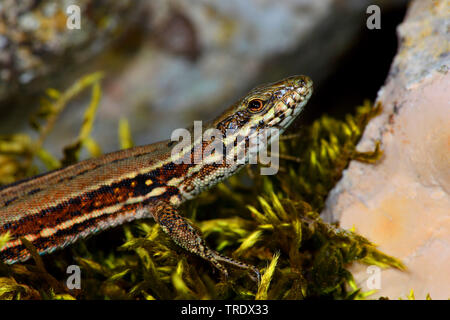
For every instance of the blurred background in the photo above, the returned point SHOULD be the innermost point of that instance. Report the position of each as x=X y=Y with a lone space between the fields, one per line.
x=168 y=63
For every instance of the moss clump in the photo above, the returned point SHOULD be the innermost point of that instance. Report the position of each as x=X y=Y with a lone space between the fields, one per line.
x=272 y=222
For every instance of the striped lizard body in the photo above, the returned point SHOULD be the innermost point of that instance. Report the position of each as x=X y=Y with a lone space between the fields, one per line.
x=55 y=209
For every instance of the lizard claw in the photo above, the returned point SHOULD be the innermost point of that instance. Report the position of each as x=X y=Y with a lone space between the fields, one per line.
x=257 y=277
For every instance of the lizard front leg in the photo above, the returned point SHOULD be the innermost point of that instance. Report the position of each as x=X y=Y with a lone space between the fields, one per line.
x=186 y=236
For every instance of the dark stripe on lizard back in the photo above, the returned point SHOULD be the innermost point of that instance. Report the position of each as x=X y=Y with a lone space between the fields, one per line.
x=129 y=155
x=103 y=197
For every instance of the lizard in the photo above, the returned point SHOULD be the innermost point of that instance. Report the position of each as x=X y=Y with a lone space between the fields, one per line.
x=55 y=209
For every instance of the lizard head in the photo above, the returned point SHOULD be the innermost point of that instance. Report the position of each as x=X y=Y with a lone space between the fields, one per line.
x=273 y=105
x=249 y=125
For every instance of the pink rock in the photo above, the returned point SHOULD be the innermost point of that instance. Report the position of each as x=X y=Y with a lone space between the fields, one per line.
x=402 y=203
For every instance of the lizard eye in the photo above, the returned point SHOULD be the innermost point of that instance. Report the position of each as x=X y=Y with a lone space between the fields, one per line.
x=255 y=105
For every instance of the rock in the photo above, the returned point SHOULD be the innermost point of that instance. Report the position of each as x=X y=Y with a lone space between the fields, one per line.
x=37 y=48
x=189 y=60
x=402 y=203
x=228 y=48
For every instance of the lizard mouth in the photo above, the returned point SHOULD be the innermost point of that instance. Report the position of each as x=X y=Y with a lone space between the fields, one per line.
x=291 y=100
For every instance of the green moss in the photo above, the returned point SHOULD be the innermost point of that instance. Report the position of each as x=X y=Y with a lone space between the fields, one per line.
x=272 y=222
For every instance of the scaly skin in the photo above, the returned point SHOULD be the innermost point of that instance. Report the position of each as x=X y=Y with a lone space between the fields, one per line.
x=57 y=208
